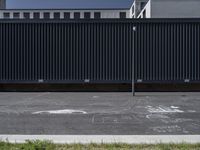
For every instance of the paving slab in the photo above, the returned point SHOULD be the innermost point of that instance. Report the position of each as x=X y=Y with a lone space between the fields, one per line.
x=64 y=113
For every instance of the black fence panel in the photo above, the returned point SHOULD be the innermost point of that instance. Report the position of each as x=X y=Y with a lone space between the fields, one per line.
x=99 y=51
x=168 y=52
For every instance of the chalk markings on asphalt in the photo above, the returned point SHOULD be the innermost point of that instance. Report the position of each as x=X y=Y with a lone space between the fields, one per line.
x=65 y=111
x=163 y=109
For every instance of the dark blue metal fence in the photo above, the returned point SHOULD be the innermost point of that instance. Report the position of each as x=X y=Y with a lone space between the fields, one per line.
x=99 y=51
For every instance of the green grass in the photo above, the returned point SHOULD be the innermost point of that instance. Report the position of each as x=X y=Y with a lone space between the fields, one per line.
x=45 y=145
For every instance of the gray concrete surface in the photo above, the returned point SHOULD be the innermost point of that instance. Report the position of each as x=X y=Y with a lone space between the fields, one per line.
x=175 y=8
x=106 y=139
x=100 y=113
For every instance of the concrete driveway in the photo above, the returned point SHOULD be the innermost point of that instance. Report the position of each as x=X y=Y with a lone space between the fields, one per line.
x=100 y=113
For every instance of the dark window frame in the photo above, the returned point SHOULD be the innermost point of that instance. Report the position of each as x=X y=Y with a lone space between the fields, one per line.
x=26 y=15
x=6 y=15
x=36 y=15
x=133 y=9
x=56 y=15
x=87 y=15
x=97 y=15
x=142 y=5
x=46 y=15
x=77 y=15
x=122 y=15
x=67 y=15
x=16 y=15
x=144 y=13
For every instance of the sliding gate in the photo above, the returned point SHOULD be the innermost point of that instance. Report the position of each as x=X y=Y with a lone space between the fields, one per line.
x=100 y=51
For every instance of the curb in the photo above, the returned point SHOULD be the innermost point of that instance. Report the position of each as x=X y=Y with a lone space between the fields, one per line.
x=106 y=139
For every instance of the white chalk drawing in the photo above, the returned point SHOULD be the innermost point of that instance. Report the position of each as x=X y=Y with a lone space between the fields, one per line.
x=95 y=97
x=167 y=129
x=191 y=111
x=176 y=120
x=156 y=116
x=174 y=107
x=65 y=111
x=163 y=109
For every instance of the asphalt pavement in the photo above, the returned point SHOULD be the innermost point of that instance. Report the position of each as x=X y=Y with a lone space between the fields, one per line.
x=99 y=113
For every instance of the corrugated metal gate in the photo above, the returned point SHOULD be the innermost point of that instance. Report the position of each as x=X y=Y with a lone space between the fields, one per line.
x=99 y=51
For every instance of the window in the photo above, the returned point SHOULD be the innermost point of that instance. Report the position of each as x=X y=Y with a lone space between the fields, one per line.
x=77 y=15
x=87 y=15
x=6 y=15
x=122 y=14
x=133 y=9
x=46 y=15
x=56 y=15
x=26 y=15
x=67 y=15
x=36 y=15
x=97 y=15
x=143 y=4
x=16 y=15
x=144 y=13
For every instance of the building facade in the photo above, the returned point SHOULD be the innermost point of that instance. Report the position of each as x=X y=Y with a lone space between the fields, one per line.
x=133 y=9
x=170 y=9
x=65 y=14
x=2 y=4
x=64 y=11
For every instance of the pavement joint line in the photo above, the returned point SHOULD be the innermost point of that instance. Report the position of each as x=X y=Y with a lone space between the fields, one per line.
x=106 y=139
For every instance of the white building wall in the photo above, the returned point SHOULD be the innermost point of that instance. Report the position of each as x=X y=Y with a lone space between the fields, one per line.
x=132 y=11
x=104 y=13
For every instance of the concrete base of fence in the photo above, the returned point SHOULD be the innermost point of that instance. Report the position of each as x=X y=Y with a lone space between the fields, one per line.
x=99 y=87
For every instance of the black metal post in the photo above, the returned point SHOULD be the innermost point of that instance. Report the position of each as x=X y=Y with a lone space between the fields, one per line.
x=133 y=68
